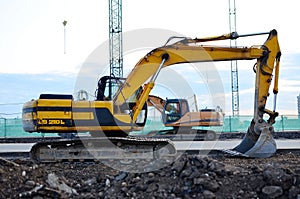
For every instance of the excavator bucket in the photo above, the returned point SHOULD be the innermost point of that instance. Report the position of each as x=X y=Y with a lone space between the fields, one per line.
x=256 y=145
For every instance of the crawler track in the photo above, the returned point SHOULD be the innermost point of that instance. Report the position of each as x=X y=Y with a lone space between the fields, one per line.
x=90 y=149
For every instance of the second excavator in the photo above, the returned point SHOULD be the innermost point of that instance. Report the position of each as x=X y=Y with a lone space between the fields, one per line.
x=176 y=114
x=121 y=105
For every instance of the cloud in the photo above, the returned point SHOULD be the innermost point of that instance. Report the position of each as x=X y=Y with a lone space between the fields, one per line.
x=289 y=85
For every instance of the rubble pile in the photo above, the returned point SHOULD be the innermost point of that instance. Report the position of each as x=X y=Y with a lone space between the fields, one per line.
x=190 y=176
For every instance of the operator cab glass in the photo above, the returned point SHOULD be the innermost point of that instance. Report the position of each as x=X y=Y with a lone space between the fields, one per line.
x=108 y=87
x=174 y=109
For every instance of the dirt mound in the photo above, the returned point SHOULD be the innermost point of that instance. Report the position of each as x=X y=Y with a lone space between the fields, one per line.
x=191 y=176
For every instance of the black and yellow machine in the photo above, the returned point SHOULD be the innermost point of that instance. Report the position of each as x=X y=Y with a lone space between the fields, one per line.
x=121 y=104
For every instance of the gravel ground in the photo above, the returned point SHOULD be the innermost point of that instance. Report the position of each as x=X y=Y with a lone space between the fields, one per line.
x=190 y=176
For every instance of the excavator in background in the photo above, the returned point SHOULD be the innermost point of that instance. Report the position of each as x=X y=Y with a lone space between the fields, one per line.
x=121 y=105
x=176 y=113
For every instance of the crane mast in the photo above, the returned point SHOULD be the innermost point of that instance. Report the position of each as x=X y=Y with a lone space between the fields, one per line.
x=115 y=38
x=234 y=67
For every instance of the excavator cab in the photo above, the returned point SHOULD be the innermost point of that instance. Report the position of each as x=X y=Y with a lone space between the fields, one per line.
x=107 y=87
x=174 y=109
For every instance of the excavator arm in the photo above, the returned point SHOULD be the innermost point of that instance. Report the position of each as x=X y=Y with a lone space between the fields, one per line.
x=189 y=51
x=259 y=141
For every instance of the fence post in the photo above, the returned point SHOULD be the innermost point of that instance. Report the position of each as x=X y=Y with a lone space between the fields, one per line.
x=282 y=125
x=4 y=127
x=230 y=124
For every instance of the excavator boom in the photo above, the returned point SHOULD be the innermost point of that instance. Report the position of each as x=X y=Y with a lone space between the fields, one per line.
x=180 y=53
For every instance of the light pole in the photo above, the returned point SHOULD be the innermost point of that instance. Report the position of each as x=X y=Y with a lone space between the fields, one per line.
x=64 y=23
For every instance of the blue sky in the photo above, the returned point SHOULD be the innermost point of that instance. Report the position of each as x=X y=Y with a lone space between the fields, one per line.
x=19 y=88
x=32 y=43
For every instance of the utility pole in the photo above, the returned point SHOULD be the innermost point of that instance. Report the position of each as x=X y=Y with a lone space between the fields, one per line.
x=234 y=67
x=115 y=38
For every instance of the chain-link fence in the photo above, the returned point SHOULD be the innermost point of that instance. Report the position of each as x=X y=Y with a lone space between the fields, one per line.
x=13 y=127
x=241 y=123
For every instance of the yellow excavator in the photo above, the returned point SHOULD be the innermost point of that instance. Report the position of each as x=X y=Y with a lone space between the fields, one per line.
x=121 y=105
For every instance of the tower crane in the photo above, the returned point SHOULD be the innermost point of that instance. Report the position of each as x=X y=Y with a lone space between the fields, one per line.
x=234 y=67
x=115 y=38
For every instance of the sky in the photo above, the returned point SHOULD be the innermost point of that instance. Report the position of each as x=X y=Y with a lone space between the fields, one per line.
x=32 y=44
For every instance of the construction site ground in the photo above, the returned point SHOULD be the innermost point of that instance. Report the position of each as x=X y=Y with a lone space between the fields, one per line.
x=190 y=176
